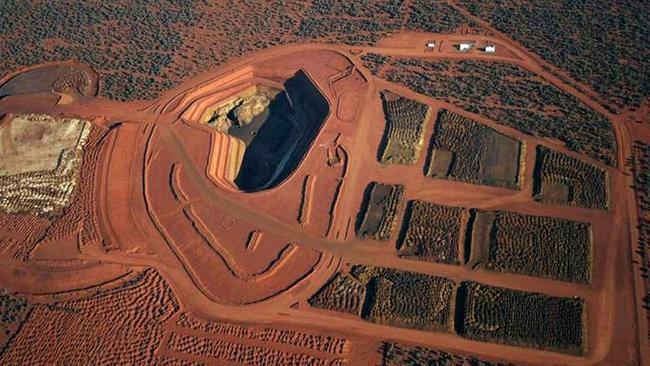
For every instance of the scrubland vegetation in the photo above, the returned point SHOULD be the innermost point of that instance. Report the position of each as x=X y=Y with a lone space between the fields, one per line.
x=125 y=317
x=144 y=48
x=509 y=95
x=599 y=42
x=131 y=43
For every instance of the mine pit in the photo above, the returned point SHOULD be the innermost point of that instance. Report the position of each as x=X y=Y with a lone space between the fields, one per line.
x=244 y=114
x=274 y=129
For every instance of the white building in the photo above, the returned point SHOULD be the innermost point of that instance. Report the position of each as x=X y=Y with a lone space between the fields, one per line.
x=490 y=48
x=464 y=47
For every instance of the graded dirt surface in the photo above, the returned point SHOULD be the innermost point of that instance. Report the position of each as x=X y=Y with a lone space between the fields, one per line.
x=292 y=242
x=32 y=143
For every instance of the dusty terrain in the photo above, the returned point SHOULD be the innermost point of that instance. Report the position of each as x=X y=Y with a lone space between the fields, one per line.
x=294 y=207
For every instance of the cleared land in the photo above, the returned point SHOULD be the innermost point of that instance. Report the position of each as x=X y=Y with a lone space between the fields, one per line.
x=491 y=158
x=431 y=232
x=561 y=179
x=404 y=133
x=495 y=314
x=218 y=342
x=266 y=288
x=67 y=332
x=31 y=143
x=40 y=164
x=532 y=245
x=377 y=216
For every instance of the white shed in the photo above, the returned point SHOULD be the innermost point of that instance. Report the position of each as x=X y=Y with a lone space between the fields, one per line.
x=490 y=48
x=464 y=46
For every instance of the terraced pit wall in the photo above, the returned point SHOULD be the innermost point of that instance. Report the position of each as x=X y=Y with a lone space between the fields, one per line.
x=284 y=139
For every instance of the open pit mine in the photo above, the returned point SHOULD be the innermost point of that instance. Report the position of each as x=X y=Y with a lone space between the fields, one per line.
x=309 y=205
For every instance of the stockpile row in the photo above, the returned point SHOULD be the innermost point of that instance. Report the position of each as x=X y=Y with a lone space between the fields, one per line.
x=508 y=95
x=431 y=232
x=404 y=134
x=540 y=246
x=561 y=179
x=378 y=214
x=486 y=313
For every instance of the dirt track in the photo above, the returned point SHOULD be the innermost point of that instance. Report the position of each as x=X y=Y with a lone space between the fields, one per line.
x=162 y=206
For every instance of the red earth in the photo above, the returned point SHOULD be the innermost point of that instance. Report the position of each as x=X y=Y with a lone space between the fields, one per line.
x=159 y=236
